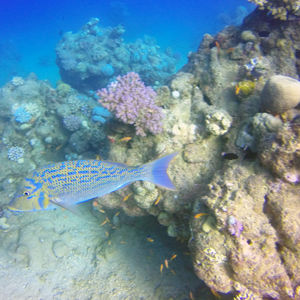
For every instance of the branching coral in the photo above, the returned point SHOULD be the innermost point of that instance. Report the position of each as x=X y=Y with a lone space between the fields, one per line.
x=133 y=103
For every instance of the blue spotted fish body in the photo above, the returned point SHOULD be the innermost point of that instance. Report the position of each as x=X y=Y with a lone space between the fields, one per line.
x=72 y=182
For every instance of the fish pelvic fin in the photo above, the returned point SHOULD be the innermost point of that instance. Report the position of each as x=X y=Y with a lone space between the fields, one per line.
x=72 y=208
x=157 y=172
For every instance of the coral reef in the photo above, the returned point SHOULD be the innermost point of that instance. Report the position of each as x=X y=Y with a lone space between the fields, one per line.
x=231 y=114
x=280 y=152
x=22 y=115
x=280 y=9
x=33 y=122
x=90 y=58
x=223 y=208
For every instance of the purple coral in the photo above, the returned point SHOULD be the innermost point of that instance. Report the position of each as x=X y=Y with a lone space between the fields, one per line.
x=133 y=103
x=235 y=227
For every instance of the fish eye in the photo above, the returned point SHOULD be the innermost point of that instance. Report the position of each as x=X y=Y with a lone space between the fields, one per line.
x=26 y=193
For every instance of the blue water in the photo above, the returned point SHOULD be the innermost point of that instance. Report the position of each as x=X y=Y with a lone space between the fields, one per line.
x=30 y=30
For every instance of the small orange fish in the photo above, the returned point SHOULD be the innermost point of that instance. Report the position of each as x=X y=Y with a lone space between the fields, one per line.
x=237 y=89
x=173 y=256
x=157 y=200
x=127 y=197
x=218 y=47
x=197 y=216
x=95 y=203
x=230 y=50
x=125 y=139
x=150 y=240
x=161 y=268
x=105 y=221
x=166 y=263
x=58 y=147
x=116 y=214
x=102 y=210
x=191 y=295
x=215 y=293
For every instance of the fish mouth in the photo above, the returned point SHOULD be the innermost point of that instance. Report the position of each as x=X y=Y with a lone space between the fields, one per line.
x=12 y=205
x=12 y=208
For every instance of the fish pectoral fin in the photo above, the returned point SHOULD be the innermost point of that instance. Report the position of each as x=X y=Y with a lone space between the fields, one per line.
x=71 y=208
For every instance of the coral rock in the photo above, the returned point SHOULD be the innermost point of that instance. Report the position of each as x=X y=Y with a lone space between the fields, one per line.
x=280 y=94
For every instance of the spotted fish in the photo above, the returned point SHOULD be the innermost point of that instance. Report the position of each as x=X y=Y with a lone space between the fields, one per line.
x=71 y=182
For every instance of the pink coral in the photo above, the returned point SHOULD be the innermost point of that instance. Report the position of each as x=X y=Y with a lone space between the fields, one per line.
x=133 y=103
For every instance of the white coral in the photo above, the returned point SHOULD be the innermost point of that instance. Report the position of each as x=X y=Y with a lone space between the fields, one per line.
x=218 y=122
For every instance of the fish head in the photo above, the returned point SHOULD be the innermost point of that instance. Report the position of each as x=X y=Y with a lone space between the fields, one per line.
x=31 y=196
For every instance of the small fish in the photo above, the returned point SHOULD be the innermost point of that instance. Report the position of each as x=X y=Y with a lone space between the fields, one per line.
x=125 y=139
x=123 y=242
x=157 y=200
x=126 y=197
x=116 y=214
x=105 y=221
x=59 y=147
x=173 y=272
x=68 y=183
x=229 y=155
x=173 y=256
x=101 y=210
x=150 y=240
x=95 y=203
x=197 y=216
x=191 y=295
x=161 y=268
x=166 y=263
x=215 y=293
x=237 y=89
x=230 y=50
x=106 y=233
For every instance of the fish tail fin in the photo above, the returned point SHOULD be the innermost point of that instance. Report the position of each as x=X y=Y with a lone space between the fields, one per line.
x=156 y=172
